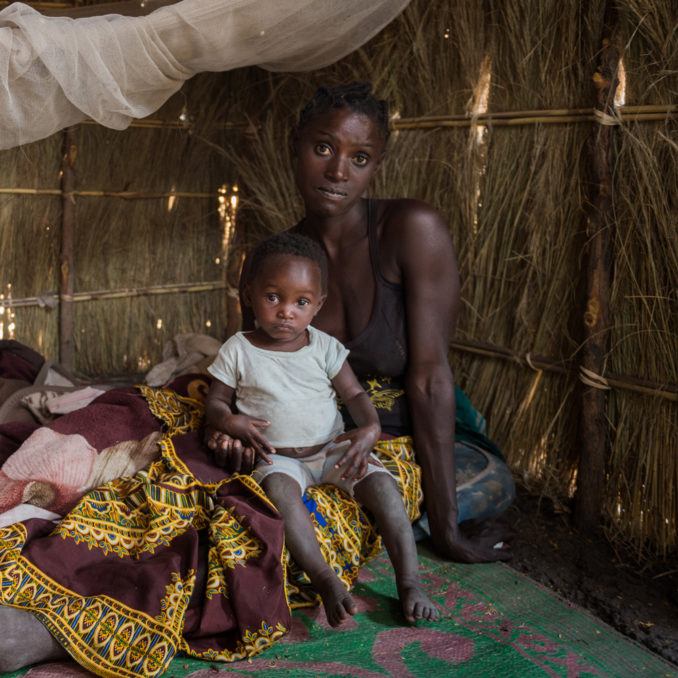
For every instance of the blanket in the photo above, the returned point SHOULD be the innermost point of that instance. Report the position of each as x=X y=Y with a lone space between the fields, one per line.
x=143 y=506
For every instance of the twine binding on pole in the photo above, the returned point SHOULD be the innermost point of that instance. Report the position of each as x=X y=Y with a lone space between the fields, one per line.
x=603 y=118
x=590 y=378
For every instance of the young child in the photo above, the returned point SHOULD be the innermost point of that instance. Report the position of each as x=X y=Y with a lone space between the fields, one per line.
x=283 y=379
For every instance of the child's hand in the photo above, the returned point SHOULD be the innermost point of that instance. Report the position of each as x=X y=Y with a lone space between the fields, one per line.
x=356 y=458
x=247 y=430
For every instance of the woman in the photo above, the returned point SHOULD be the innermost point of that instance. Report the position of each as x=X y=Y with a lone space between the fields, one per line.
x=182 y=556
x=393 y=300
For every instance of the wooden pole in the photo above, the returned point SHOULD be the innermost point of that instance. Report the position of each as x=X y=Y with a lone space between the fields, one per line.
x=234 y=261
x=123 y=195
x=51 y=300
x=593 y=426
x=66 y=268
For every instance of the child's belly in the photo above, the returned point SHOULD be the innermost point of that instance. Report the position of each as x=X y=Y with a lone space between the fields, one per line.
x=299 y=452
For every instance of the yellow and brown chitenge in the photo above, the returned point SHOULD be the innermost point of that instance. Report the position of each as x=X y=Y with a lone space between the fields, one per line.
x=113 y=580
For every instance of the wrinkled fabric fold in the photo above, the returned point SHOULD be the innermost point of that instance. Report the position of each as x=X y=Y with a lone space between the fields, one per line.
x=178 y=556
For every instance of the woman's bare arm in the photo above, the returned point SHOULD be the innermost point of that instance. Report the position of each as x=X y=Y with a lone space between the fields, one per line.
x=430 y=279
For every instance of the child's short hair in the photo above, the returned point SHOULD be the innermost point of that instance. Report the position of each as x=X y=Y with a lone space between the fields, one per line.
x=291 y=244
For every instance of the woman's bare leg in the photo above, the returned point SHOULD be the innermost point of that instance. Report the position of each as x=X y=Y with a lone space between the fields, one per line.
x=24 y=640
x=302 y=544
x=379 y=494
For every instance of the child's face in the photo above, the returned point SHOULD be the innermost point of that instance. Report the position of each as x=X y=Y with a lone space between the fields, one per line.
x=285 y=296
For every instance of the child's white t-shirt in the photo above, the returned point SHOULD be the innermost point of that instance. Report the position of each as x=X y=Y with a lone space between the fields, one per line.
x=292 y=390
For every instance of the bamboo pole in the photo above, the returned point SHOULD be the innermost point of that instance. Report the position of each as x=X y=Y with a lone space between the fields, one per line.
x=518 y=118
x=141 y=195
x=124 y=195
x=558 y=115
x=156 y=123
x=66 y=268
x=404 y=124
x=50 y=300
x=542 y=363
x=642 y=113
x=593 y=425
x=549 y=112
x=40 y=5
x=234 y=264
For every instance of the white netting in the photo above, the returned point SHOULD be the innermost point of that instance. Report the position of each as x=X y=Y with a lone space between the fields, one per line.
x=56 y=71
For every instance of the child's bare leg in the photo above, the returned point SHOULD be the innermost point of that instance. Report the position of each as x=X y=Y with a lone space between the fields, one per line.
x=378 y=493
x=302 y=544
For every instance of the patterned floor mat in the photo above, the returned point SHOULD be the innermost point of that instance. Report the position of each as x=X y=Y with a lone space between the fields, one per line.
x=495 y=622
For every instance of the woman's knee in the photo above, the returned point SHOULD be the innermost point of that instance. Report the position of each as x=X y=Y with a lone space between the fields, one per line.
x=24 y=640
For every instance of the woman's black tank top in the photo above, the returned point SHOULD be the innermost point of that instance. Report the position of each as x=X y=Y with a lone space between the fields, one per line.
x=378 y=355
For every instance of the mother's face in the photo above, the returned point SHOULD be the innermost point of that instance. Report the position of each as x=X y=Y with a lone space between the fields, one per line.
x=338 y=153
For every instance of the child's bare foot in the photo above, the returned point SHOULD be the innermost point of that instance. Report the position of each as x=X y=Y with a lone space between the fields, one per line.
x=417 y=605
x=337 y=601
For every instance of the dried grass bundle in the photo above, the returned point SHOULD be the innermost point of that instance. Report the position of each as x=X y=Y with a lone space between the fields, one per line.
x=643 y=500
x=521 y=293
x=29 y=237
x=167 y=240
x=542 y=52
x=649 y=36
x=122 y=243
x=642 y=503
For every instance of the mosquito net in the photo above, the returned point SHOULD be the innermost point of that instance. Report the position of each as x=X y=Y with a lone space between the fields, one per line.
x=56 y=71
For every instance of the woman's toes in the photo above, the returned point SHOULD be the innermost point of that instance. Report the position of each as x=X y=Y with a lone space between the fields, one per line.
x=349 y=605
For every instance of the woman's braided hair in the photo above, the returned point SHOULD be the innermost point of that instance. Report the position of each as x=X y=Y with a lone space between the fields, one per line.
x=291 y=244
x=356 y=96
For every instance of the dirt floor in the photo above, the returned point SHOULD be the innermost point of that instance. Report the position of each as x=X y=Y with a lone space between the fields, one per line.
x=639 y=601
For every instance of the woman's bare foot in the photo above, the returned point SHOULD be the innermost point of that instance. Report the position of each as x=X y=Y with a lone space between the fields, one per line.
x=337 y=601
x=416 y=604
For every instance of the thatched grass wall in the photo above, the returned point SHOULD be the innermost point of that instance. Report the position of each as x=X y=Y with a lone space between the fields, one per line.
x=157 y=241
x=516 y=193
x=644 y=342
x=147 y=238
x=29 y=238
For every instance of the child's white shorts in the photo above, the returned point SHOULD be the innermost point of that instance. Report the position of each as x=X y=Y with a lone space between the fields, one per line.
x=316 y=469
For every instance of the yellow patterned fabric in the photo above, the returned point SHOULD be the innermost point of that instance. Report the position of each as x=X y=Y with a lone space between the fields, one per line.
x=100 y=633
x=347 y=536
x=114 y=579
x=180 y=414
x=382 y=396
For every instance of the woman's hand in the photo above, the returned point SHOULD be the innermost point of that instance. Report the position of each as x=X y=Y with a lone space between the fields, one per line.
x=248 y=430
x=238 y=455
x=229 y=453
x=356 y=458
x=231 y=435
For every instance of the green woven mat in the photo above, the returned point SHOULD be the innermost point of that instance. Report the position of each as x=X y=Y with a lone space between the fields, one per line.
x=495 y=622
